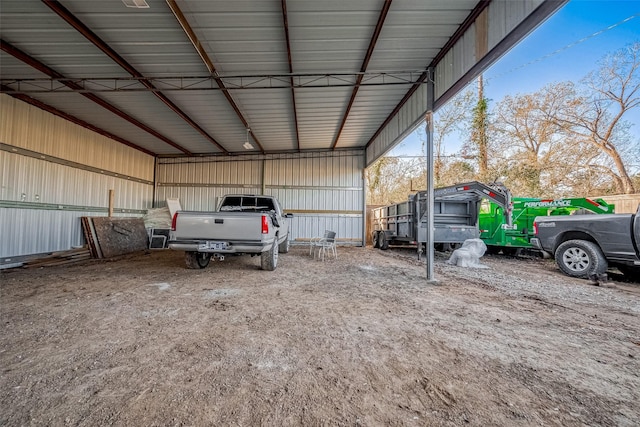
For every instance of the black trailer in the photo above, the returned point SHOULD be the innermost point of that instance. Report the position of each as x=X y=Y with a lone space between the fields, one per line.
x=455 y=214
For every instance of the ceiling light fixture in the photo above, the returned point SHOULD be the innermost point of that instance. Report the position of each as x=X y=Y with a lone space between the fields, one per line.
x=138 y=4
x=247 y=145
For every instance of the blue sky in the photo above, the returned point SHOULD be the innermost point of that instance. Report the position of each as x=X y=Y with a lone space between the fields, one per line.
x=565 y=47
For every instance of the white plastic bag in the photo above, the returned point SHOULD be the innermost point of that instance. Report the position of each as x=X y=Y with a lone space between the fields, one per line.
x=469 y=254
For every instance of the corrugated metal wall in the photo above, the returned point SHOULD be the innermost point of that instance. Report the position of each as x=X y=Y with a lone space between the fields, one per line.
x=53 y=172
x=492 y=26
x=25 y=126
x=323 y=190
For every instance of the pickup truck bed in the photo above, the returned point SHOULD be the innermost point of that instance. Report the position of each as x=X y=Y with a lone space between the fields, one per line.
x=243 y=224
x=232 y=228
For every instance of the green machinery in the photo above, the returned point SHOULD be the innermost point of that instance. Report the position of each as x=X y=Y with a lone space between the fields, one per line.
x=498 y=235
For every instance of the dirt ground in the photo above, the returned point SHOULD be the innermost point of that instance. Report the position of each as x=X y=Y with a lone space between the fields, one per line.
x=362 y=340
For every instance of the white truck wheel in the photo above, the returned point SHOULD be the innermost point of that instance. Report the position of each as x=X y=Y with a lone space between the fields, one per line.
x=580 y=258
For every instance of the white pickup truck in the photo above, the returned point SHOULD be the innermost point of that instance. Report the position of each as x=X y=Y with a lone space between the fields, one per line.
x=243 y=224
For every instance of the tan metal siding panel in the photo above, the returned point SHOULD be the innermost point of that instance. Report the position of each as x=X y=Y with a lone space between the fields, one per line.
x=28 y=127
x=181 y=171
x=504 y=16
x=199 y=198
x=45 y=182
x=347 y=227
x=31 y=231
x=347 y=200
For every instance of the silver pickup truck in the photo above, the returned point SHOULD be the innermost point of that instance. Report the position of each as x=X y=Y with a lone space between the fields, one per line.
x=243 y=224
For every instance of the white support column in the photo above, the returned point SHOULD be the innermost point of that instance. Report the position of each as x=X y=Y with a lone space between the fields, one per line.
x=365 y=186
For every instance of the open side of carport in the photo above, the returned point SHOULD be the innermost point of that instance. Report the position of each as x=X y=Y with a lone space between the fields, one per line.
x=194 y=100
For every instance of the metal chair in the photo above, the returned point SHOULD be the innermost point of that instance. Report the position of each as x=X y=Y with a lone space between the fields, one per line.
x=323 y=245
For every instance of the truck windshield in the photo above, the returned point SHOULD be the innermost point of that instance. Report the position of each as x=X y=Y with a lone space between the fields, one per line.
x=247 y=203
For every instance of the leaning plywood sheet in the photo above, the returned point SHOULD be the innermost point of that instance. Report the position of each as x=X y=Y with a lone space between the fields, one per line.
x=90 y=237
x=118 y=236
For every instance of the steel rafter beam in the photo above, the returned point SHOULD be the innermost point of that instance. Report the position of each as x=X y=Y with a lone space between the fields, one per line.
x=72 y=20
x=34 y=63
x=73 y=119
x=285 y=19
x=363 y=68
x=480 y=7
x=206 y=83
x=182 y=20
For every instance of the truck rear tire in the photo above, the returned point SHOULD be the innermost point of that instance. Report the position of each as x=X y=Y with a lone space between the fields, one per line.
x=580 y=258
x=284 y=246
x=269 y=259
x=197 y=259
x=383 y=243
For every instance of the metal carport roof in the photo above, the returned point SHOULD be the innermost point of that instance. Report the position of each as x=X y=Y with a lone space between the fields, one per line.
x=193 y=77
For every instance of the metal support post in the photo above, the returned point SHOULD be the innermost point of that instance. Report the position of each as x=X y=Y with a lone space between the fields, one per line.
x=365 y=186
x=264 y=177
x=430 y=202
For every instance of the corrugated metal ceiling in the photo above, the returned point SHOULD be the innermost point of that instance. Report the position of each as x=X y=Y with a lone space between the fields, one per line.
x=238 y=38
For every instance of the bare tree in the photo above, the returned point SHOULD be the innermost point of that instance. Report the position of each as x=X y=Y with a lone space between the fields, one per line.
x=389 y=179
x=597 y=117
x=554 y=142
x=457 y=170
x=452 y=118
x=529 y=145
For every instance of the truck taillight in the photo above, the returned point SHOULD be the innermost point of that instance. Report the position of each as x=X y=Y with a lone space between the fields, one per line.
x=265 y=225
x=173 y=221
x=535 y=228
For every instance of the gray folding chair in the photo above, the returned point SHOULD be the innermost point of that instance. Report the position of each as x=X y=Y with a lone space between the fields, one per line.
x=323 y=245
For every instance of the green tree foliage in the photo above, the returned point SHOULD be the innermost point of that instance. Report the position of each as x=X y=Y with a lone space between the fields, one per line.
x=479 y=125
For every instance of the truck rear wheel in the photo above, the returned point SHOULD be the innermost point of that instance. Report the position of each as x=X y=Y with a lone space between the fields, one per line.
x=580 y=258
x=269 y=259
x=284 y=246
x=197 y=259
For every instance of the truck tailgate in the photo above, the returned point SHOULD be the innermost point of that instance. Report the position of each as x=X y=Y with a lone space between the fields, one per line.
x=220 y=226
